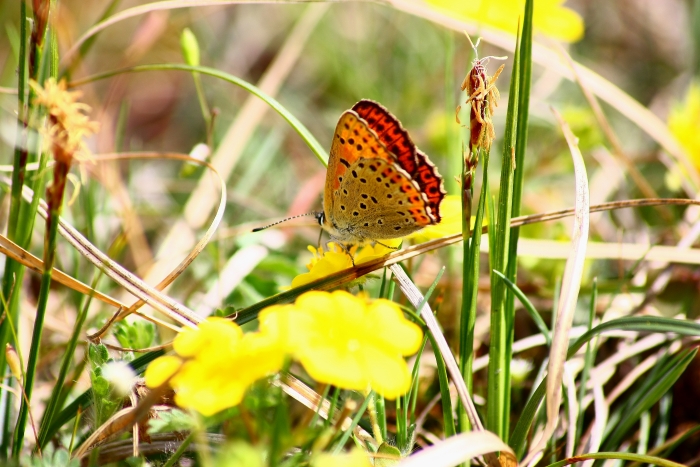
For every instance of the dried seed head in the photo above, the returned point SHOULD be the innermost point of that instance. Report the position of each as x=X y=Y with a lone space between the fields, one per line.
x=68 y=124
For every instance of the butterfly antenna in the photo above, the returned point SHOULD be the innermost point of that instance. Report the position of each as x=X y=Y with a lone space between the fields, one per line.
x=313 y=213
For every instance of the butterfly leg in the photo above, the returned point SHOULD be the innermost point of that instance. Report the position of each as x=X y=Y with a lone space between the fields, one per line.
x=347 y=248
x=395 y=248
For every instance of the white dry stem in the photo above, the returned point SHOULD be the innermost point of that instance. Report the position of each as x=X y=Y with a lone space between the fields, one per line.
x=571 y=284
x=416 y=298
x=458 y=449
x=414 y=295
x=598 y=428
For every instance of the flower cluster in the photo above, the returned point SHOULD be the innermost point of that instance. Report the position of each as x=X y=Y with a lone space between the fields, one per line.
x=347 y=341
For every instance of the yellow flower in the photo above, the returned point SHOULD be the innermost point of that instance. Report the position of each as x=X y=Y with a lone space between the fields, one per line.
x=450 y=224
x=684 y=122
x=325 y=263
x=347 y=341
x=549 y=18
x=355 y=458
x=215 y=364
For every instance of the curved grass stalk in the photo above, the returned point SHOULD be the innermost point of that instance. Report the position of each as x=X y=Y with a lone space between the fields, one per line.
x=305 y=134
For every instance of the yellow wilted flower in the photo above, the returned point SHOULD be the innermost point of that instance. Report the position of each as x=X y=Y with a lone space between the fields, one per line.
x=550 y=17
x=68 y=122
x=347 y=341
x=684 y=122
x=324 y=263
x=215 y=364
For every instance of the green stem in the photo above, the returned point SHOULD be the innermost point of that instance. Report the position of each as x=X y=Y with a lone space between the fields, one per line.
x=55 y=200
x=56 y=395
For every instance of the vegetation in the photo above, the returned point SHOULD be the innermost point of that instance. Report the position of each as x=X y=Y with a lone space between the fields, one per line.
x=549 y=318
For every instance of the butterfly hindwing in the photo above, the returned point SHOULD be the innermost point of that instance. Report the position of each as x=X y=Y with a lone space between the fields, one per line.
x=378 y=200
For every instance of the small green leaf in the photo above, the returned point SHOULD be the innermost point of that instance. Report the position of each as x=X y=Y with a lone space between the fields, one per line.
x=100 y=385
x=98 y=355
x=387 y=456
x=171 y=420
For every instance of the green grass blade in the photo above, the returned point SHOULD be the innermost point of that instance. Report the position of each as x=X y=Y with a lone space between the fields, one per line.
x=653 y=388
x=52 y=404
x=588 y=361
x=498 y=398
x=14 y=273
x=470 y=287
x=448 y=420
x=519 y=436
x=639 y=324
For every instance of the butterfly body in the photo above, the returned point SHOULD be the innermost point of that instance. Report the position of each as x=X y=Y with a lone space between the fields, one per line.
x=379 y=186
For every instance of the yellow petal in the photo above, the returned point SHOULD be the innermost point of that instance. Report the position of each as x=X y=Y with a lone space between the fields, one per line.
x=211 y=332
x=332 y=365
x=550 y=17
x=684 y=121
x=400 y=335
x=288 y=326
x=388 y=375
x=161 y=369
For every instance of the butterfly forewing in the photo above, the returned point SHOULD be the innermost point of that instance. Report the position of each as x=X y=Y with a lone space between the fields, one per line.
x=390 y=132
x=351 y=141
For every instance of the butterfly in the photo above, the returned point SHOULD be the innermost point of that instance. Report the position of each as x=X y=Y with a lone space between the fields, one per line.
x=379 y=186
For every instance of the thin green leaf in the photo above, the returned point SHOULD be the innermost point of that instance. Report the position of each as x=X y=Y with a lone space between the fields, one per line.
x=498 y=394
x=529 y=307
x=445 y=399
x=647 y=395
